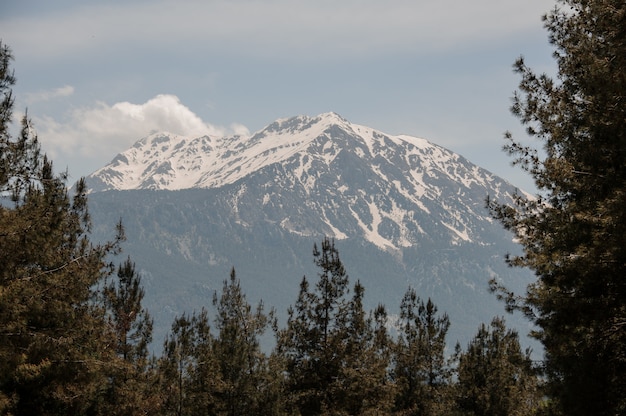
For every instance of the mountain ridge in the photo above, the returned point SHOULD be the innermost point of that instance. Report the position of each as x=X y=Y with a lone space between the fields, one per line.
x=294 y=134
x=405 y=212
x=321 y=158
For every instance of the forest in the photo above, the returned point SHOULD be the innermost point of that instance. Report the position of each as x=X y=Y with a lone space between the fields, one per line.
x=74 y=336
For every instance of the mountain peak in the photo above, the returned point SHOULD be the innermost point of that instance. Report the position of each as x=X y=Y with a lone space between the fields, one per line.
x=327 y=118
x=302 y=123
x=332 y=117
x=326 y=162
x=164 y=160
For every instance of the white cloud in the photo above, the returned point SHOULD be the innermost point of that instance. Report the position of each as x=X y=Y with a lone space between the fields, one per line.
x=40 y=96
x=293 y=29
x=101 y=131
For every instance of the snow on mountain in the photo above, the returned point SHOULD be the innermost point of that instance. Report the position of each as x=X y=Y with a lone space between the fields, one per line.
x=404 y=211
x=379 y=180
x=170 y=162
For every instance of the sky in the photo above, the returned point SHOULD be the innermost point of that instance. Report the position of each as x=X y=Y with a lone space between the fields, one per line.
x=96 y=76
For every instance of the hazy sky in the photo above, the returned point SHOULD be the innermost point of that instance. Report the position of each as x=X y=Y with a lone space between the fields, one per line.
x=96 y=76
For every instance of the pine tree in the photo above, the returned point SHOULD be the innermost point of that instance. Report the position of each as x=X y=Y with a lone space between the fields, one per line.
x=222 y=374
x=364 y=387
x=421 y=371
x=132 y=376
x=189 y=370
x=313 y=341
x=204 y=379
x=495 y=378
x=178 y=365
x=336 y=355
x=54 y=339
x=574 y=233
x=130 y=320
x=242 y=364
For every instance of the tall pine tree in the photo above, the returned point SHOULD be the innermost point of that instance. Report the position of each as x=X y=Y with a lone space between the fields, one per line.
x=364 y=386
x=55 y=344
x=421 y=371
x=335 y=357
x=246 y=382
x=574 y=234
x=495 y=378
x=130 y=320
x=312 y=343
x=183 y=383
x=132 y=376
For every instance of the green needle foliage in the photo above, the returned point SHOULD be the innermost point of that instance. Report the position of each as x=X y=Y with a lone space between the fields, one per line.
x=421 y=370
x=574 y=233
x=495 y=378
x=55 y=342
x=244 y=368
x=221 y=374
x=335 y=356
x=313 y=341
x=132 y=376
x=184 y=385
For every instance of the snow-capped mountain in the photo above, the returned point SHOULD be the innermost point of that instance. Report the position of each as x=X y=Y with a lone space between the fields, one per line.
x=403 y=211
x=396 y=190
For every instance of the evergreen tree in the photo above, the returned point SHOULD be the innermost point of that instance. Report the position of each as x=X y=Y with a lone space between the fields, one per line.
x=178 y=365
x=54 y=339
x=312 y=343
x=421 y=370
x=495 y=378
x=334 y=359
x=226 y=374
x=204 y=379
x=242 y=364
x=131 y=322
x=132 y=376
x=364 y=386
x=574 y=233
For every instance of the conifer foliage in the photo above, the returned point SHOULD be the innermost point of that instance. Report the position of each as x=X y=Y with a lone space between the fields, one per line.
x=221 y=373
x=495 y=378
x=54 y=338
x=189 y=379
x=421 y=369
x=574 y=234
x=246 y=381
x=131 y=378
x=131 y=322
x=331 y=352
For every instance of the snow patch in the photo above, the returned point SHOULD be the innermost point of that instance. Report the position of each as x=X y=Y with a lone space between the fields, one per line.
x=460 y=234
x=370 y=232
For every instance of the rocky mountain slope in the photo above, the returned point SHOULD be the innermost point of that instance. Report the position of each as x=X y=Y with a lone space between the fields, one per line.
x=404 y=212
